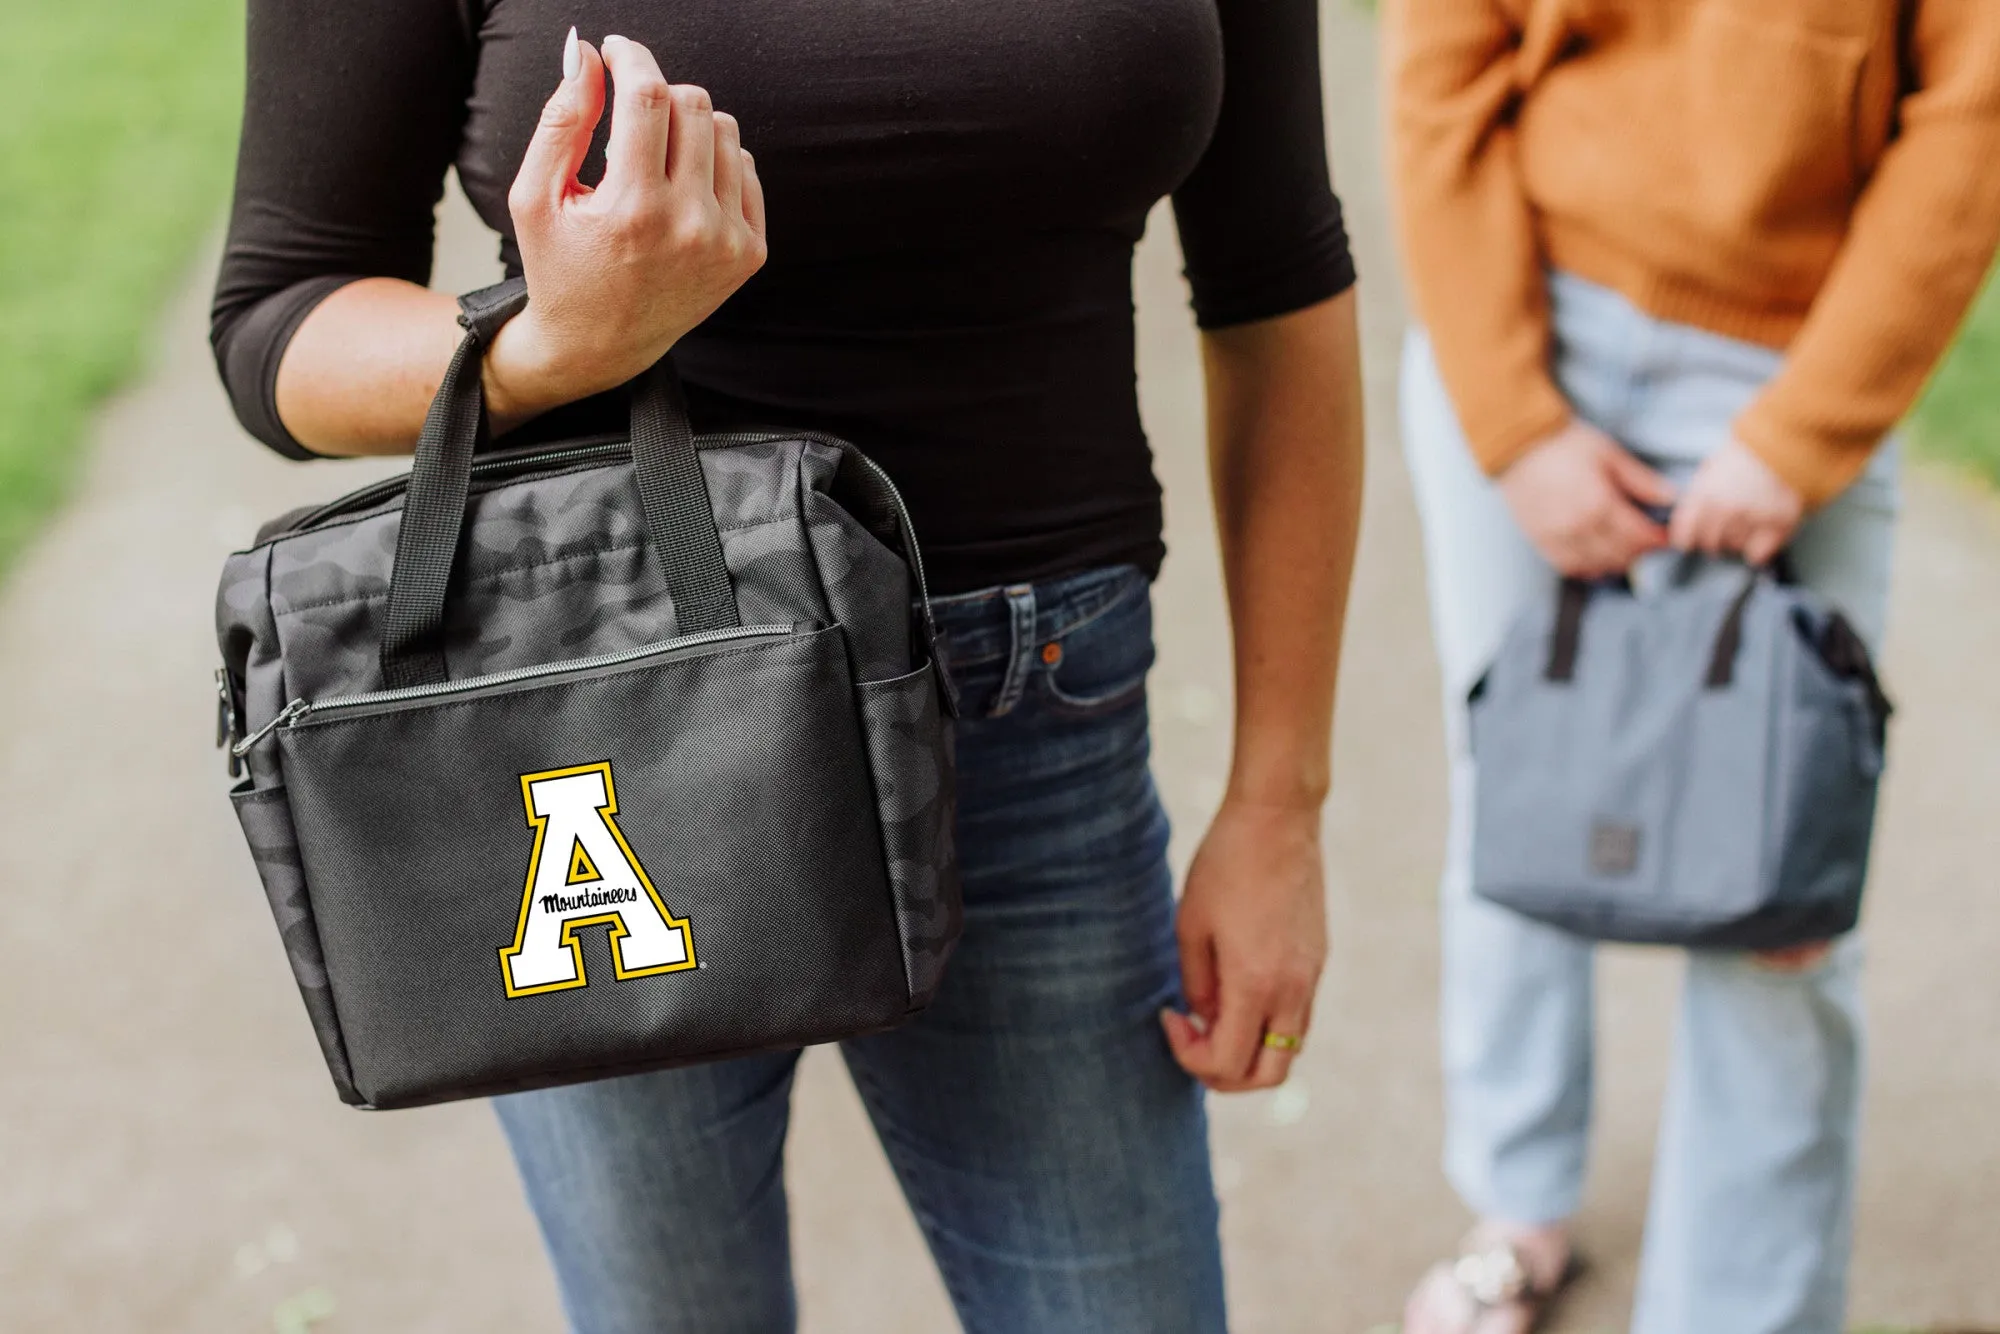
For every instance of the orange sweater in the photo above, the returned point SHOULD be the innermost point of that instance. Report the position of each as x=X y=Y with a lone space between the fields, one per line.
x=1816 y=175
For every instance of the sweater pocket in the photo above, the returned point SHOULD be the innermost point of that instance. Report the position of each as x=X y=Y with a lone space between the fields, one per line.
x=1770 y=130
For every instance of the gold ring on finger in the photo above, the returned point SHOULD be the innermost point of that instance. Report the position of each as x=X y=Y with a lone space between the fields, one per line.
x=1283 y=1041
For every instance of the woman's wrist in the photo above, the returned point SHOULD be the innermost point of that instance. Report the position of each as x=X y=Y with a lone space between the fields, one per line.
x=523 y=375
x=1287 y=766
x=1297 y=787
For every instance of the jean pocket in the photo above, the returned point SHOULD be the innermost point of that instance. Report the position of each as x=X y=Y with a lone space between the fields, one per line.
x=1100 y=665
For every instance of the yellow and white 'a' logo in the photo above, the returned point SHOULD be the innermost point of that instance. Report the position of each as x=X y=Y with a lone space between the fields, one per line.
x=583 y=873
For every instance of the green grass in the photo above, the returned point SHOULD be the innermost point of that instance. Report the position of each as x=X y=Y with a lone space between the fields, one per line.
x=117 y=128
x=1958 y=420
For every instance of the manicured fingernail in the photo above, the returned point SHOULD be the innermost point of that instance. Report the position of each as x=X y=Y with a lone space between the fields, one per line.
x=612 y=37
x=572 y=59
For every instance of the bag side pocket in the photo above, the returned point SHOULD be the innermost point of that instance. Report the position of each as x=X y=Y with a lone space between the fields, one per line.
x=1826 y=740
x=266 y=817
x=911 y=761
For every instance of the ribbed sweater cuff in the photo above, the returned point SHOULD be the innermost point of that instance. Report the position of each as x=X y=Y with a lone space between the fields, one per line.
x=1818 y=469
x=1497 y=448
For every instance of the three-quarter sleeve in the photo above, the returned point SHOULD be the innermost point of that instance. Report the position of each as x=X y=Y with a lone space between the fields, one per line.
x=352 y=114
x=1260 y=226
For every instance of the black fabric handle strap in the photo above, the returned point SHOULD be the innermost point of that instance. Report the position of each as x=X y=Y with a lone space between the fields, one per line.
x=1568 y=637
x=672 y=493
x=1574 y=597
x=433 y=513
x=674 y=496
x=481 y=313
x=1729 y=639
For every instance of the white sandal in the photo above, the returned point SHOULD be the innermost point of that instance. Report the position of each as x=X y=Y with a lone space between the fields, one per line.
x=1490 y=1275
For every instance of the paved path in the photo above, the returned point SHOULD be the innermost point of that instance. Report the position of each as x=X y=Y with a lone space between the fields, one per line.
x=175 y=1160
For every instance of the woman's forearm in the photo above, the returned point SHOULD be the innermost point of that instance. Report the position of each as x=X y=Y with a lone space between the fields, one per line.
x=1285 y=462
x=360 y=372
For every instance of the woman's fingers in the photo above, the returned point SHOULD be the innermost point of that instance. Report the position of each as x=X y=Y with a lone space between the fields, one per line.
x=753 y=195
x=1184 y=1037
x=1218 y=1039
x=1637 y=480
x=1764 y=544
x=1223 y=1055
x=1690 y=531
x=642 y=106
x=1231 y=1055
x=562 y=137
x=691 y=157
x=1680 y=524
x=1198 y=976
x=1710 y=535
x=1290 y=1018
x=728 y=165
x=1632 y=533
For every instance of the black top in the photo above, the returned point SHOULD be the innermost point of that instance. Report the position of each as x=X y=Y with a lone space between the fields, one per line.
x=953 y=188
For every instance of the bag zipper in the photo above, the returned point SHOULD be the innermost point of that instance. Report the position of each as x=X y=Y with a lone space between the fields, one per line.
x=610 y=447
x=363 y=497
x=228 y=723
x=301 y=711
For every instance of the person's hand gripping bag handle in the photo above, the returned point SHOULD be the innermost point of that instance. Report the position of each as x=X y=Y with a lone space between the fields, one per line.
x=619 y=272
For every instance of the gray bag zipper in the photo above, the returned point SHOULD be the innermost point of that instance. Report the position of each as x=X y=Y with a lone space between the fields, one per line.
x=300 y=712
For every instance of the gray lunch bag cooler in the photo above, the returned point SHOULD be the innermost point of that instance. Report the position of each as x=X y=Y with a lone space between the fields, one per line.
x=582 y=759
x=1696 y=766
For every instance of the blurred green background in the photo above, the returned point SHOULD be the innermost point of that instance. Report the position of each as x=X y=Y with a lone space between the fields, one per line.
x=1959 y=418
x=117 y=135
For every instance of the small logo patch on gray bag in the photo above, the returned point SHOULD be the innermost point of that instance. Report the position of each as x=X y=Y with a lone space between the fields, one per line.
x=1614 y=848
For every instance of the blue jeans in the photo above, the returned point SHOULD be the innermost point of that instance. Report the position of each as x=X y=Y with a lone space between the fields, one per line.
x=1055 y=1156
x=1748 y=1228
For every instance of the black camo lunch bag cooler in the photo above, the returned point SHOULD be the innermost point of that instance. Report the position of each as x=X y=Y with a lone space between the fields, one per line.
x=581 y=759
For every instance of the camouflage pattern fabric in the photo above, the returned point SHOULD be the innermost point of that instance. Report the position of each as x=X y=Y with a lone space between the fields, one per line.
x=274 y=846
x=910 y=753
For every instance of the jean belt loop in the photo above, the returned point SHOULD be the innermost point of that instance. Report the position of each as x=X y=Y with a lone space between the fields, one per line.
x=1020 y=649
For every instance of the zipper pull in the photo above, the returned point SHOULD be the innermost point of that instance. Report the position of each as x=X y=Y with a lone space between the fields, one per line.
x=296 y=709
x=227 y=724
x=225 y=710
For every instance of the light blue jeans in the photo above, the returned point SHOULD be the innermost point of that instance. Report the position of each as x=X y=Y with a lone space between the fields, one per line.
x=1749 y=1222
x=1054 y=1154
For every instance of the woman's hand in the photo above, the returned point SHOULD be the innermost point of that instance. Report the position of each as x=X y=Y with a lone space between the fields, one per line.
x=617 y=274
x=1252 y=931
x=1577 y=496
x=1737 y=505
